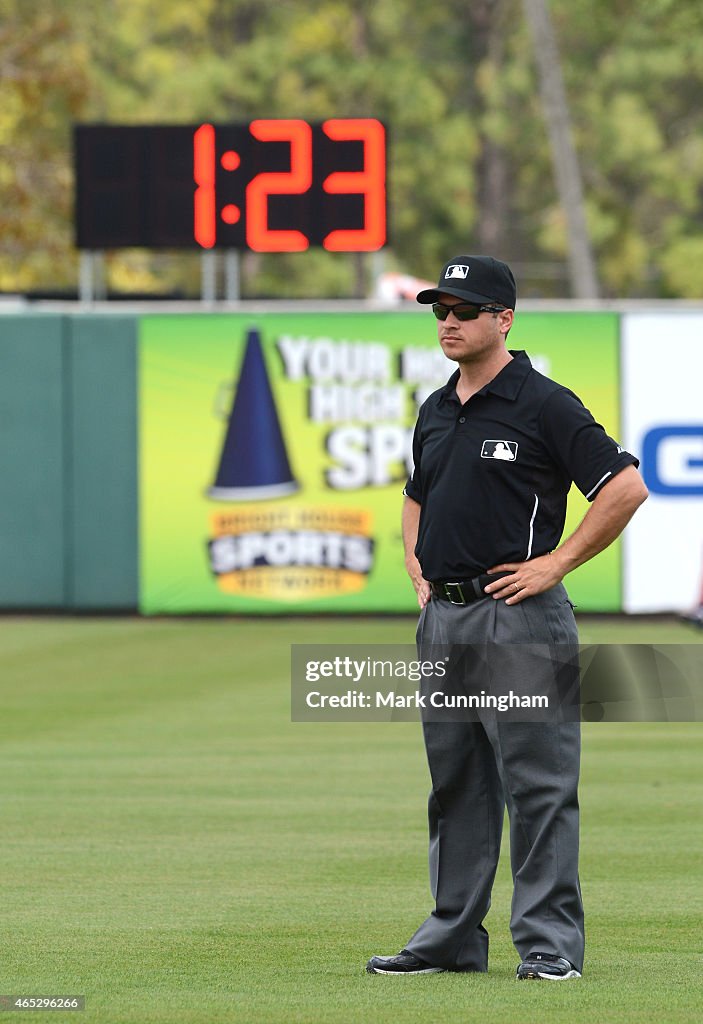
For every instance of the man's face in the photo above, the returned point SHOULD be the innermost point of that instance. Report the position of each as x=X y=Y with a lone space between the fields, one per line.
x=467 y=341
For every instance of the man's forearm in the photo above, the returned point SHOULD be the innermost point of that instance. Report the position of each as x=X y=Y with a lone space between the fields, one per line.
x=611 y=511
x=410 y=523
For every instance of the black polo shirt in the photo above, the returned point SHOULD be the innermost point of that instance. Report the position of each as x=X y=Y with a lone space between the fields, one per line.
x=492 y=475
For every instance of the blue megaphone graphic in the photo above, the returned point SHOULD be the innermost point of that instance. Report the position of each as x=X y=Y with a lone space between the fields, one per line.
x=254 y=463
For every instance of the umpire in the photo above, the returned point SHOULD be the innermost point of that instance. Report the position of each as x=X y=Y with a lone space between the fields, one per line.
x=495 y=452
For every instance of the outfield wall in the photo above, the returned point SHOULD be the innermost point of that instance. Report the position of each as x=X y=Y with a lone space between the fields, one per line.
x=68 y=438
x=132 y=478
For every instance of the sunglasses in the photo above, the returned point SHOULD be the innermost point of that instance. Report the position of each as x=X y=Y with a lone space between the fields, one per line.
x=463 y=310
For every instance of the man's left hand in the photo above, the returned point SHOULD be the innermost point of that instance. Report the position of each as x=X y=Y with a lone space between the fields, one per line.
x=526 y=579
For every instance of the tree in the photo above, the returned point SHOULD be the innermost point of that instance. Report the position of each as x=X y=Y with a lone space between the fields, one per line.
x=470 y=162
x=43 y=67
x=567 y=172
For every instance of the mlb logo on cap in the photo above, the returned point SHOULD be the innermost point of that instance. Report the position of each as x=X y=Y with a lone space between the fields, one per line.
x=477 y=279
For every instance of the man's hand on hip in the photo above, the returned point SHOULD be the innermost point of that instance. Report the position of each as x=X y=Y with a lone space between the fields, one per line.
x=526 y=579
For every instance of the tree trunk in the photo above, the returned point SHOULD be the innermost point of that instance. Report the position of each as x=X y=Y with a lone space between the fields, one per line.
x=582 y=271
x=493 y=207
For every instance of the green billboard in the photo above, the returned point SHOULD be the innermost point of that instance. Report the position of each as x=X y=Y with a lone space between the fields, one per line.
x=274 y=448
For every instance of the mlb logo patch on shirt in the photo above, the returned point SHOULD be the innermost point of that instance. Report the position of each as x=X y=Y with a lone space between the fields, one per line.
x=506 y=451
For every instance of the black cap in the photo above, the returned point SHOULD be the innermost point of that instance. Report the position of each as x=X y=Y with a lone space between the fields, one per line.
x=476 y=279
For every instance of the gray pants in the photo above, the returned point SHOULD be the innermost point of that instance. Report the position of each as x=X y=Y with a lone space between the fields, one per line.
x=479 y=767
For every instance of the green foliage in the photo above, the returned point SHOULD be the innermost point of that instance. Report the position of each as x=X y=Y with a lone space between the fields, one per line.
x=470 y=166
x=45 y=85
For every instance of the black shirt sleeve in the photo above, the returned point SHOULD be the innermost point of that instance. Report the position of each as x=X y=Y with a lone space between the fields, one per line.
x=579 y=445
x=413 y=486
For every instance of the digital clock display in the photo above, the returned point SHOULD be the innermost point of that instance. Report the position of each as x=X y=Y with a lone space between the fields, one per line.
x=272 y=185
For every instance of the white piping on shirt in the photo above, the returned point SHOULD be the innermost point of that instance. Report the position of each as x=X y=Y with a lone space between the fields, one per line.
x=532 y=523
x=593 y=489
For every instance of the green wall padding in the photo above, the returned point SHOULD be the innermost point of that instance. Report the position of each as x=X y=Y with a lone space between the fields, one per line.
x=33 y=350
x=102 y=568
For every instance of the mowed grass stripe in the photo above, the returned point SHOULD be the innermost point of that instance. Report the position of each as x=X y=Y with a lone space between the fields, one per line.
x=175 y=848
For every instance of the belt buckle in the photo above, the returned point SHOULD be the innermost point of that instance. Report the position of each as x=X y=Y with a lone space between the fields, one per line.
x=459 y=590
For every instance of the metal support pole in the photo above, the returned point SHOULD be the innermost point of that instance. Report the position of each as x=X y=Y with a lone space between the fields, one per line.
x=99 y=269
x=86 y=283
x=208 y=277
x=232 y=275
x=377 y=261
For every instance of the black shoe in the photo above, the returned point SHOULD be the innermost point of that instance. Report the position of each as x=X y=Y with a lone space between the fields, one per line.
x=403 y=963
x=547 y=966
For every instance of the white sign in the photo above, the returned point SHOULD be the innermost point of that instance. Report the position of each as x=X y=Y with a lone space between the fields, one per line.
x=662 y=424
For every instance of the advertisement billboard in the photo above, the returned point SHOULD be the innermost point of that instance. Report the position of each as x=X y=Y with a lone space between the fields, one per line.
x=274 y=448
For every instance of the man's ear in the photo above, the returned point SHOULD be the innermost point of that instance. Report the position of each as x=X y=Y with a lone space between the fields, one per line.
x=506 y=320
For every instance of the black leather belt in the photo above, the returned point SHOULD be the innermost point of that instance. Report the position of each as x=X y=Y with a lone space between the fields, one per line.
x=465 y=591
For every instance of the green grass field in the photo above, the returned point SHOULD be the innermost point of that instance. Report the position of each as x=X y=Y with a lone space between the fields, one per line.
x=175 y=849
